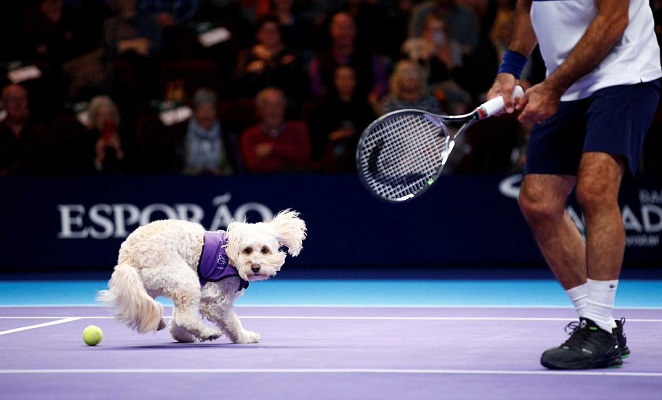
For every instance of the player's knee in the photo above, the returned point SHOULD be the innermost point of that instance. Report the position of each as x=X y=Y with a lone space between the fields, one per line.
x=537 y=208
x=591 y=194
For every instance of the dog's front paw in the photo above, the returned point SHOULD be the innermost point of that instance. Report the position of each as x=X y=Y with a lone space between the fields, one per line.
x=180 y=334
x=210 y=334
x=248 y=337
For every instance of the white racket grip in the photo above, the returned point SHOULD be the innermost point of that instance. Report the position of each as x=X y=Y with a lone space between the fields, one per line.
x=495 y=106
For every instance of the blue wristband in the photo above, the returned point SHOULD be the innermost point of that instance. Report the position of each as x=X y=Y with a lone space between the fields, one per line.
x=513 y=63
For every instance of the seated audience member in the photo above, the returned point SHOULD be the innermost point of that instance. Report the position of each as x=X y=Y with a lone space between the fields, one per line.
x=133 y=41
x=172 y=16
x=296 y=31
x=336 y=122
x=104 y=125
x=169 y=12
x=408 y=89
x=442 y=58
x=372 y=22
x=25 y=147
x=270 y=62
x=274 y=144
x=482 y=65
x=202 y=145
x=52 y=34
x=461 y=21
x=371 y=71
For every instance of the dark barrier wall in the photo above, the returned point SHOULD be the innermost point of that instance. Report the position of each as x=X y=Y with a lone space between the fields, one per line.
x=79 y=223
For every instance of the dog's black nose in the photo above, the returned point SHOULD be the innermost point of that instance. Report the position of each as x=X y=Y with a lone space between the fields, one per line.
x=255 y=268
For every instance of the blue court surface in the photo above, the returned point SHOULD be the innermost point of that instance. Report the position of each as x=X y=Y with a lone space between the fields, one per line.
x=342 y=337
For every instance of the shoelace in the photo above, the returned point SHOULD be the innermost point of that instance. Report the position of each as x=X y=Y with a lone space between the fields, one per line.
x=572 y=327
x=578 y=335
x=622 y=320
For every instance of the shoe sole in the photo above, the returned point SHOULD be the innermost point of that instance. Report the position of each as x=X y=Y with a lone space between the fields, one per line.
x=614 y=362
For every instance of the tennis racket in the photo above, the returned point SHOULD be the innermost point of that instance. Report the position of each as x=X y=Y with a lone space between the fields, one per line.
x=401 y=154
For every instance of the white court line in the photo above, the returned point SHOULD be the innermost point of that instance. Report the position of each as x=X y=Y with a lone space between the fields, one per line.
x=359 y=318
x=325 y=371
x=45 y=324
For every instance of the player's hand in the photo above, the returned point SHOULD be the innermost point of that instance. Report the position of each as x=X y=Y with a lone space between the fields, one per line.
x=538 y=104
x=504 y=85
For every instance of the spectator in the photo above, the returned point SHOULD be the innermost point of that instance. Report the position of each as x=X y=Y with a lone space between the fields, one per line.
x=172 y=16
x=52 y=35
x=336 y=122
x=104 y=125
x=270 y=62
x=398 y=28
x=408 y=89
x=275 y=144
x=370 y=69
x=203 y=146
x=24 y=144
x=169 y=13
x=371 y=23
x=442 y=58
x=461 y=21
x=482 y=64
x=133 y=40
x=296 y=31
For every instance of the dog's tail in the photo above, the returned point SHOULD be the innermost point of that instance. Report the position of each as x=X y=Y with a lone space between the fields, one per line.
x=134 y=306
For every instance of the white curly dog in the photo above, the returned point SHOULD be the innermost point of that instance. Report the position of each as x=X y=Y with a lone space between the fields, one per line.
x=202 y=272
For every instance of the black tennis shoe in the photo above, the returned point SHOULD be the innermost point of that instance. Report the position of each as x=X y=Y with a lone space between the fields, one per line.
x=622 y=340
x=588 y=347
x=618 y=331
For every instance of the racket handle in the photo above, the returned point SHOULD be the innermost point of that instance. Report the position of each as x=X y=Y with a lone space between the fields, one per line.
x=495 y=106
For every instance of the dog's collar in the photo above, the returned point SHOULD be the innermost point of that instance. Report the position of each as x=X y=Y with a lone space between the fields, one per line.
x=214 y=264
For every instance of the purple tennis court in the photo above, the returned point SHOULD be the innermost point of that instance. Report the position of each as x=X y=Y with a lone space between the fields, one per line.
x=330 y=352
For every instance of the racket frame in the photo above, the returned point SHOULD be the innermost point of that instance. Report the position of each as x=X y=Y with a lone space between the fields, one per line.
x=485 y=110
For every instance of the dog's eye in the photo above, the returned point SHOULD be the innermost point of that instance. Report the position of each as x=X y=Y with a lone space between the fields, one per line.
x=265 y=250
x=247 y=250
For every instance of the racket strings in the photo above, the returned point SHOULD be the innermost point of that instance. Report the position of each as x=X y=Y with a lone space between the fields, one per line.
x=403 y=154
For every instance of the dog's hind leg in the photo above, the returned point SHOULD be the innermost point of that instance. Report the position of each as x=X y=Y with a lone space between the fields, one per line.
x=135 y=307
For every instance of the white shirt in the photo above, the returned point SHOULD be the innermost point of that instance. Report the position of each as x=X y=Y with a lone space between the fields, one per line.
x=559 y=24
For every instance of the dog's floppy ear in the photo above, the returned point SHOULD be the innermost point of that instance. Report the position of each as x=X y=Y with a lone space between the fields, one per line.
x=290 y=230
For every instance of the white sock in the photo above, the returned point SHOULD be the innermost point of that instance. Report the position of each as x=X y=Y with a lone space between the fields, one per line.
x=601 y=297
x=579 y=297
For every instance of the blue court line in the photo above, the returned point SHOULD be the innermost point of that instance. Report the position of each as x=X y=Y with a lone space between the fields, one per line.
x=332 y=292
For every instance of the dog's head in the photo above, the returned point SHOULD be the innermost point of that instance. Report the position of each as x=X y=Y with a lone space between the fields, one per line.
x=254 y=249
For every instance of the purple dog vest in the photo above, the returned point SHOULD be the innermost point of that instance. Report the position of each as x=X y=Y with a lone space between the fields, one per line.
x=214 y=264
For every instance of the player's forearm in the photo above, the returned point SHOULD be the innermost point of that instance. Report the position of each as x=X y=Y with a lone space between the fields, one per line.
x=524 y=38
x=598 y=40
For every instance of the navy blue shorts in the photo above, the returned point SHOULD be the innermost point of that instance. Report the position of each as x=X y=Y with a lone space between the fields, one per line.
x=613 y=120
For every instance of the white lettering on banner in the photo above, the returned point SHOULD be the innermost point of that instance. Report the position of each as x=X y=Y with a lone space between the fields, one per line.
x=643 y=229
x=71 y=217
x=103 y=221
x=509 y=187
x=650 y=196
x=223 y=216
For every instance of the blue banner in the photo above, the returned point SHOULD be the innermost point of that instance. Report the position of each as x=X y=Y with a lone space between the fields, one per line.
x=70 y=223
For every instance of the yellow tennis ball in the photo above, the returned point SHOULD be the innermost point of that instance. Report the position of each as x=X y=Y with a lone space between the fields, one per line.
x=92 y=335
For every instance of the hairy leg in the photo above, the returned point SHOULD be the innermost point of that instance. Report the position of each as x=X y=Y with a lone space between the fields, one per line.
x=542 y=200
x=598 y=184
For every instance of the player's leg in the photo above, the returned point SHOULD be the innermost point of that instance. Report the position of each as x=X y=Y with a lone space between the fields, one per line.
x=617 y=120
x=599 y=181
x=543 y=203
x=553 y=159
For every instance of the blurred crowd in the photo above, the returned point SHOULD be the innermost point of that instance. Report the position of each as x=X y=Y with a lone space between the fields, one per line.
x=246 y=86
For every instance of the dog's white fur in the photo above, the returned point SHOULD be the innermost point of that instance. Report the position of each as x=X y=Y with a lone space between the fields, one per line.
x=161 y=259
